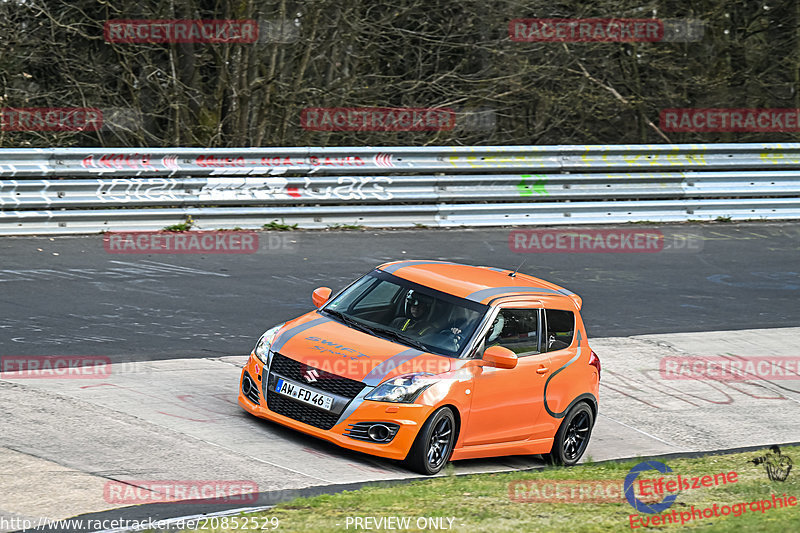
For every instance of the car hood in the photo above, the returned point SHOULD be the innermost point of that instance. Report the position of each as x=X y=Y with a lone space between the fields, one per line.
x=326 y=344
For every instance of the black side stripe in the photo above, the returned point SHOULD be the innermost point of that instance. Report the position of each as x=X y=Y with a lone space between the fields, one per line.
x=547 y=407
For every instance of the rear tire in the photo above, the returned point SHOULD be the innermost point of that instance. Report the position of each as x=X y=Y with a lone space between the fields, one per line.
x=434 y=443
x=572 y=436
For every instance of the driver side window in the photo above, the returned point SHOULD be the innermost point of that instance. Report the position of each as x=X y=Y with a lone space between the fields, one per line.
x=517 y=330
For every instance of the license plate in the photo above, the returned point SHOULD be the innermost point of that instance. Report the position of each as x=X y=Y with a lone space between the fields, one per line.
x=293 y=390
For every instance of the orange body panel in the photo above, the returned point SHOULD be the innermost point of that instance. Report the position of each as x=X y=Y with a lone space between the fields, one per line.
x=498 y=411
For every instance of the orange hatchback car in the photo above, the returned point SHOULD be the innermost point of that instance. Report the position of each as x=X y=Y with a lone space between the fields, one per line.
x=430 y=361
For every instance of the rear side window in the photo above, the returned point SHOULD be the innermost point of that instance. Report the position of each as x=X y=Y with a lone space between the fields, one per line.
x=560 y=329
x=517 y=330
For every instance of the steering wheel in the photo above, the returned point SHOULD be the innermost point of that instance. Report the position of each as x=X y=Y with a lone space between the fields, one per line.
x=452 y=334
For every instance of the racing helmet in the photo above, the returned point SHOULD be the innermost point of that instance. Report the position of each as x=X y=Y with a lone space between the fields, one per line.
x=422 y=302
x=497 y=328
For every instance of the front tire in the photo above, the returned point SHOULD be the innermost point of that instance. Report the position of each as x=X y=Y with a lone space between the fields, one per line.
x=572 y=436
x=434 y=443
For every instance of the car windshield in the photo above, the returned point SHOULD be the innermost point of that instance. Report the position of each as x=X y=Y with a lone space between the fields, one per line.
x=388 y=306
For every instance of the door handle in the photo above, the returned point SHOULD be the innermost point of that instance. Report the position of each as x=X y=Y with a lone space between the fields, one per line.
x=542 y=370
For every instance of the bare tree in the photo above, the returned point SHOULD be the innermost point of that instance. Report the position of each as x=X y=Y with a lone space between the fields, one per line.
x=407 y=53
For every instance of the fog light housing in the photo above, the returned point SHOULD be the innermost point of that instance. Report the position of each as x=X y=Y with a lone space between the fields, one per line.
x=378 y=432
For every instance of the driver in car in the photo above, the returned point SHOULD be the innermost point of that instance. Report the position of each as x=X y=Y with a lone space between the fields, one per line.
x=416 y=320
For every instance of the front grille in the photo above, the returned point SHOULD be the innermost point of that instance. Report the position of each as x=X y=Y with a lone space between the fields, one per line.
x=249 y=388
x=327 y=382
x=300 y=412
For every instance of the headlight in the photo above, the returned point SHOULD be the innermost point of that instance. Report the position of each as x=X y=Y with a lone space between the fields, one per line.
x=262 y=346
x=402 y=389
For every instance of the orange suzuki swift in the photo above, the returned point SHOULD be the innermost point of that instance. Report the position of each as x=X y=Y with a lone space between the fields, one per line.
x=430 y=361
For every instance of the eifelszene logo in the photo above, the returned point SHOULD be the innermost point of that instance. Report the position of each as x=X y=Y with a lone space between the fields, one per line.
x=665 y=487
x=636 y=503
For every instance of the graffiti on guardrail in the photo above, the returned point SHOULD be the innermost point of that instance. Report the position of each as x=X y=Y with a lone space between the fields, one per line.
x=477 y=161
x=131 y=161
x=348 y=188
x=233 y=188
x=587 y=159
x=278 y=161
x=126 y=189
x=164 y=190
x=148 y=162
x=772 y=157
x=526 y=188
x=246 y=188
x=645 y=159
x=351 y=188
x=347 y=161
x=528 y=185
x=669 y=159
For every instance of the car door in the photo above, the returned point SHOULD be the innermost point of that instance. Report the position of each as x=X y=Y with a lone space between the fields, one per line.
x=558 y=342
x=506 y=402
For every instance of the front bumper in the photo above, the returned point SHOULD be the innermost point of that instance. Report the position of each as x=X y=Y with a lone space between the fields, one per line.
x=409 y=417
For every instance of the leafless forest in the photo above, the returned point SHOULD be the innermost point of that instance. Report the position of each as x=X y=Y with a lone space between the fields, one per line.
x=404 y=53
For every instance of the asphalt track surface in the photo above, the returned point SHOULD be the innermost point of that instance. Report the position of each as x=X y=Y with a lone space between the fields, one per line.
x=68 y=296
x=190 y=320
x=63 y=441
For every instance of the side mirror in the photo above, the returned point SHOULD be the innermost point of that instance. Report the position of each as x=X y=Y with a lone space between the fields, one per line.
x=320 y=296
x=499 y=357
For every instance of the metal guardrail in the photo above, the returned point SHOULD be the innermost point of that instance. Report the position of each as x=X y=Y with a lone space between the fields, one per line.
x=74 y=190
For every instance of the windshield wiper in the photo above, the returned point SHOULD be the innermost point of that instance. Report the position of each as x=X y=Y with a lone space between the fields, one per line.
x=402 y=338
x=349 y=321
x=377 y=331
